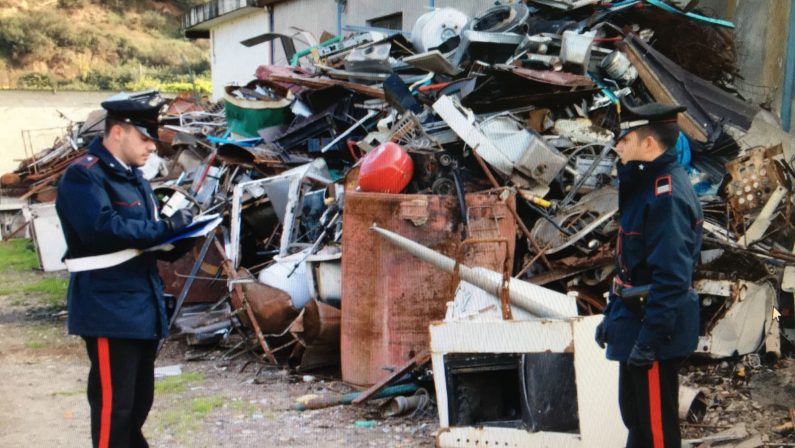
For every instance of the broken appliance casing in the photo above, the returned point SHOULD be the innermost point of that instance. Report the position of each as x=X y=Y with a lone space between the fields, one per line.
x=738 y=327
x=48 y=236
x=541 y=383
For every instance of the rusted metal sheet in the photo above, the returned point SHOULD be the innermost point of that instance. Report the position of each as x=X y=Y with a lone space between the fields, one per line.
x=318 y=334
x=388 y=297
x=272 y=307
x=552 y=77
x=206 y=288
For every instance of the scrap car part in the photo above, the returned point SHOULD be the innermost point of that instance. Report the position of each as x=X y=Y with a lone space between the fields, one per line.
x=580 y=220
x=707 y=105
x=285 y=192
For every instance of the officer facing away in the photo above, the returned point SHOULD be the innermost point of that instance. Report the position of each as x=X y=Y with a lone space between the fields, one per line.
x=651 y=321
x=105 y=206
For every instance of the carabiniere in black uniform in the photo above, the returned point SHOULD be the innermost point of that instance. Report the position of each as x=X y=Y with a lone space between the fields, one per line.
x=106 y=206
x=652 y=317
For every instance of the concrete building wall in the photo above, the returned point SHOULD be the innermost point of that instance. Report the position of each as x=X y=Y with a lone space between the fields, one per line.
x=358 y=12
x=761 y=40
x=314 y=16
x=231 y=61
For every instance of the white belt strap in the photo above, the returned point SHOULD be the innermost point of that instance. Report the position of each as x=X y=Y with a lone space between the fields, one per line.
x=101 y=261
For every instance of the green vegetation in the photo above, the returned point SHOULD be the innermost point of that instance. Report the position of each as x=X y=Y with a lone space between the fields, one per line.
x=100 y=44
x=244 y=407
x=178 y=383
x=185 y=418
x=52 y=291
x=17 y=255
x=204 y=405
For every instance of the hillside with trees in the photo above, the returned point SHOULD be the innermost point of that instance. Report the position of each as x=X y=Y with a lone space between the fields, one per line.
x=99 y=45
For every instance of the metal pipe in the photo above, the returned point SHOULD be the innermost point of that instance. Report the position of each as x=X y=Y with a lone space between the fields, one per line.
x=534 y=299
x=328 y=400
x=272 y=25
x=340 y=7
x=789 y=73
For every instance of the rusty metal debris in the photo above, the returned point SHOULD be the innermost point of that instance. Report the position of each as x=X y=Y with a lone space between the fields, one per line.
x=508 y=120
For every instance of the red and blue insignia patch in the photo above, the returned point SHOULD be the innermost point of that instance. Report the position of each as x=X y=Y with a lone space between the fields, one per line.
x=87 y=161
x=663 y=185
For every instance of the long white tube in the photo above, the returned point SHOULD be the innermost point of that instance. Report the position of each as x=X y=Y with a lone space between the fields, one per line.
x=540 y=301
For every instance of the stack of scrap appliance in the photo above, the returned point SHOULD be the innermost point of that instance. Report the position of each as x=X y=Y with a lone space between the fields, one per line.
x=461 y=178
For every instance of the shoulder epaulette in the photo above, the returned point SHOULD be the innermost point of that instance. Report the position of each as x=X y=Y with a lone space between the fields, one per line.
x=663 y=185
x=87 y=161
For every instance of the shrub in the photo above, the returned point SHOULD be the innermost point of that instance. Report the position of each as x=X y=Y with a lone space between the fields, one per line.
x=73 y=4
x=36 y=81
x=153 y=20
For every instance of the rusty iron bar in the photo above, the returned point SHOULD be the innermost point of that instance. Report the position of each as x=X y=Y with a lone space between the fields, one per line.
x=42 y=184
x=505 y=301
x=512 y=209
x=533 y=260
x=18 y=229
x=238 y=290
x=413 y=363
x=188 y=283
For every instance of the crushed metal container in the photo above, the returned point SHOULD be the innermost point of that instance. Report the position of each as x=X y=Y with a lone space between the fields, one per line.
x=388 y=296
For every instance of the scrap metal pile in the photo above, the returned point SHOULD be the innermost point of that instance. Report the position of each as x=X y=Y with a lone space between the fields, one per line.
x=488 y=140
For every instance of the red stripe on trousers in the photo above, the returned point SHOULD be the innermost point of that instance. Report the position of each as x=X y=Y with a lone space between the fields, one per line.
x=103 y=353
x=655 y=406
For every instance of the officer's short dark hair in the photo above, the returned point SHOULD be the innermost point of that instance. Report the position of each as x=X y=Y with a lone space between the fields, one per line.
x=109 y=123
x=666 y=134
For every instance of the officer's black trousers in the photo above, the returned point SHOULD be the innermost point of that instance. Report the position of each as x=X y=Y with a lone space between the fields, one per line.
x=649 y=403
x=120 y=390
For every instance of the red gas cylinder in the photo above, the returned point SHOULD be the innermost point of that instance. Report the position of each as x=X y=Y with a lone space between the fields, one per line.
x=386 y=169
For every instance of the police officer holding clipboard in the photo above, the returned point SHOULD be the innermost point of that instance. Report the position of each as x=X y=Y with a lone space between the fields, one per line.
x=106 y=208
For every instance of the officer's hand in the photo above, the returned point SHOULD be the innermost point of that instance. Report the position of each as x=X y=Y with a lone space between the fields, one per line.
x=641 y=356
x=179 y=219
x=601 y=335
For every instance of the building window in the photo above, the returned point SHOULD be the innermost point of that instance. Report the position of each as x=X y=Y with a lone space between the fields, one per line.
x=391 y=21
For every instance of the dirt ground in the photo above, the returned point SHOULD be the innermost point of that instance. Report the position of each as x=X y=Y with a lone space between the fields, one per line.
x=242 y=402
x=213 y=403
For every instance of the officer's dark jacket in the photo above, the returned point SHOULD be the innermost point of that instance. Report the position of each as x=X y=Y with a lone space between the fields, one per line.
x=659 y=244
x=105 y=208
